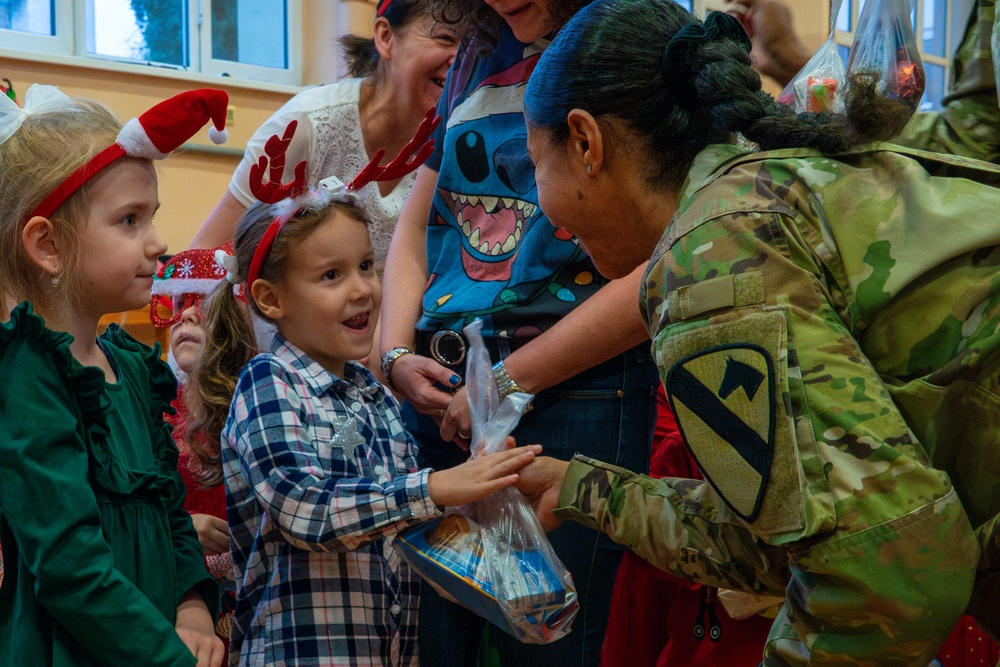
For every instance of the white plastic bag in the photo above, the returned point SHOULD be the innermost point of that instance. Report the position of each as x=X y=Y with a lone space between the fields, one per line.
x=885 y=48
x=493 y=556
x=533 y=588
x=820 y=84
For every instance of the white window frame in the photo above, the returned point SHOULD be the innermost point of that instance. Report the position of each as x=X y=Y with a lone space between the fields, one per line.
x=70 y=42
x=60 y=44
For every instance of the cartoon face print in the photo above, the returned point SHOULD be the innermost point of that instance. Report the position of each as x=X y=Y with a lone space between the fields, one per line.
x=487 y=218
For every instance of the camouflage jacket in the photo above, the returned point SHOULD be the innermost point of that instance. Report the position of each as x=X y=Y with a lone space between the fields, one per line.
x=826 y=326
x=969 y=123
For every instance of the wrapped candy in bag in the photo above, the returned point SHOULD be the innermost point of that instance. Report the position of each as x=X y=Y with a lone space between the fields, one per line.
x=885 y=50
x=819 y=85
x=493 y=556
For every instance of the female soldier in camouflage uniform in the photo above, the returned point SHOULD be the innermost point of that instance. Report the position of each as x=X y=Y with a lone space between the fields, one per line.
x=824 y=311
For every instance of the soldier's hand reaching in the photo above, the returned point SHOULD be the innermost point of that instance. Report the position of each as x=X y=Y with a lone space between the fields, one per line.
x=540 y=482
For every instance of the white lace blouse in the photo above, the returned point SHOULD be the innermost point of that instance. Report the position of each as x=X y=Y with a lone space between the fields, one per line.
x=329 y=138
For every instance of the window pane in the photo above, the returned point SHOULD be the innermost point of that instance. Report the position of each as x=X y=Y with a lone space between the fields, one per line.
x=934 y=91
x=686 y=4
x=844 y=17
x=35 y=16
x=845 y=52
x=252 y=32
x=145 y=30
x=935 y=27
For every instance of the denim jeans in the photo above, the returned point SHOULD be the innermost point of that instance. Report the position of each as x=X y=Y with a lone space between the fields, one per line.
x=607 y=412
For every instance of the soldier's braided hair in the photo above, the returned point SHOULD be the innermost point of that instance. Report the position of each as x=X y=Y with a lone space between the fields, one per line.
x=683 y=85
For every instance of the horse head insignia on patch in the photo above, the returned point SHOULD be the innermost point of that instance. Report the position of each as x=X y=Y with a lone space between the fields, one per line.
x=724 y=401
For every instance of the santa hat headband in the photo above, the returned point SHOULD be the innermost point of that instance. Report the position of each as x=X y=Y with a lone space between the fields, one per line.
x=297 y=192
x=153 y=135
x=190 y=272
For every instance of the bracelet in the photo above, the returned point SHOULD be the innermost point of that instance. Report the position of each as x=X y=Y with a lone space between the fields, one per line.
x=390 y=358
x=504 y=383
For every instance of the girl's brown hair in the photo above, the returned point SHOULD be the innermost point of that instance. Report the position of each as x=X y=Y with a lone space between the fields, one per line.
x=229 y=336
x=477 y=22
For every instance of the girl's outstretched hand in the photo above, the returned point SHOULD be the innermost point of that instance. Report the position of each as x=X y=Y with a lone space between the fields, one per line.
x=479 y=477
x=540 y=482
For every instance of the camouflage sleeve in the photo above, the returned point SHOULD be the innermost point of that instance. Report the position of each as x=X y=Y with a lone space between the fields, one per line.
x=969 y=124
x=784 y=414
x=678 y=525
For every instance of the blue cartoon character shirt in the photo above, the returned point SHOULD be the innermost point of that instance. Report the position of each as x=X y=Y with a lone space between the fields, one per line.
x=491 y=253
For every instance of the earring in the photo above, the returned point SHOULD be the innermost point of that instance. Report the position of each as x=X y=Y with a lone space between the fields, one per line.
x=590 y=168
x=55 y=279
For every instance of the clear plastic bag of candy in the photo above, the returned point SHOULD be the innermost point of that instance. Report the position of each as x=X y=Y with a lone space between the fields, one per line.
x=493 y=556
x=885 y=51
x=820 y=84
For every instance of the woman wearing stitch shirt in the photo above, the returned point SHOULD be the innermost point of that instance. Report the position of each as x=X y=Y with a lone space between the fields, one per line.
x=471 y=243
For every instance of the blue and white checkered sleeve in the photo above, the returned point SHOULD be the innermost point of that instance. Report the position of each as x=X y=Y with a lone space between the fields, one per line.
x=313 y=508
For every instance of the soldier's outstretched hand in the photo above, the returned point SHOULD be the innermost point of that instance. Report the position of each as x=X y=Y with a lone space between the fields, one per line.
x=540 y=482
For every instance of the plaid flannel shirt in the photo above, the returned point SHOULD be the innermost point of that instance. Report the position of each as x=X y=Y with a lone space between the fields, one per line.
x=318 y=471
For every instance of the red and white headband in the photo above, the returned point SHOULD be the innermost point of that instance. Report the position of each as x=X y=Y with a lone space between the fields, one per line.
x=153 y=135
x=413 y=154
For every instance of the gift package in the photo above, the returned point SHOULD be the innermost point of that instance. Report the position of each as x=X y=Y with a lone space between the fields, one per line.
x=493 y=556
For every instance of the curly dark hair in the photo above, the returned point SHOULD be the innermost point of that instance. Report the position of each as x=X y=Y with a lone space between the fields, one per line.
x=479 y=23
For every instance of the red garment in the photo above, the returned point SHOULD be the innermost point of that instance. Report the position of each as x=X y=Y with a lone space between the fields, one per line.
x=653 y=614
x=211 y=501
x=968 y=646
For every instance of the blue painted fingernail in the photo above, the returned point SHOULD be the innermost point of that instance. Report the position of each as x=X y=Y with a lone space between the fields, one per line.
x=454 y=379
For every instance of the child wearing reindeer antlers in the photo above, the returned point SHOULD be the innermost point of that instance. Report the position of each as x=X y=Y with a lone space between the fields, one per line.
x=318 y=467
x=103 y=565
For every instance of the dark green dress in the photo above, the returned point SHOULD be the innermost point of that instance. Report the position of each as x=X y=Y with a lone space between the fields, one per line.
x=97 y=547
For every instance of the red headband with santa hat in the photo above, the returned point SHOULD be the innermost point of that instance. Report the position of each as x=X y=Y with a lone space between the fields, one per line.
x=153 y=135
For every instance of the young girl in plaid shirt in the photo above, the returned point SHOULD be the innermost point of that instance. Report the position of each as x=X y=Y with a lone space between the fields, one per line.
x=318 y=467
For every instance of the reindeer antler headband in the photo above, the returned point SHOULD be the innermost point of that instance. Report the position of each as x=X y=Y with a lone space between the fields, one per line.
x=413 y=154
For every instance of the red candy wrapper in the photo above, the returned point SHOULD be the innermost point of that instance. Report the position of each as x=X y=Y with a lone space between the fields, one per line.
x=885 y=48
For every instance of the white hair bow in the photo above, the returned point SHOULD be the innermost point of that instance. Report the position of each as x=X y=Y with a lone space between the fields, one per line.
x=38 y=100
x=228 y=262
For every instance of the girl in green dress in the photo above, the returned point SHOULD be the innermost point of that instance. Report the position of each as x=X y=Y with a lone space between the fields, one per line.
x=103 y=566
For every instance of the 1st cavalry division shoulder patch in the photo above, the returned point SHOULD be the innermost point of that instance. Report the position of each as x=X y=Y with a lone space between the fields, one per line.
x=724 y=401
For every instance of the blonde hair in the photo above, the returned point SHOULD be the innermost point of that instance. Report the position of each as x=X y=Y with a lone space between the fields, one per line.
x=40 y=155
x=229 y=338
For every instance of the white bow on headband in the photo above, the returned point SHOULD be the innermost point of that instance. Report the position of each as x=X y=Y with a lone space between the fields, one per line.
x=38 y=100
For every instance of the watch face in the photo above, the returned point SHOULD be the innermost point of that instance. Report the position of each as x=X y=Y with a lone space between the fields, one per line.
x=448 y=348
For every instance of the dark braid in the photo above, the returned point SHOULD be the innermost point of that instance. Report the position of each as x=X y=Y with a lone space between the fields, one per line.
x=684 y=85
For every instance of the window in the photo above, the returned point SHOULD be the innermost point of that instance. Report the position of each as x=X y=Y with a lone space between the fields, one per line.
x=939 y=25
x=249 y=39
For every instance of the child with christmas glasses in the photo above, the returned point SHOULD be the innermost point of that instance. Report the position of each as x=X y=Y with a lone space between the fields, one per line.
x=178 y=289
x=318 y=467
x=103 y=565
